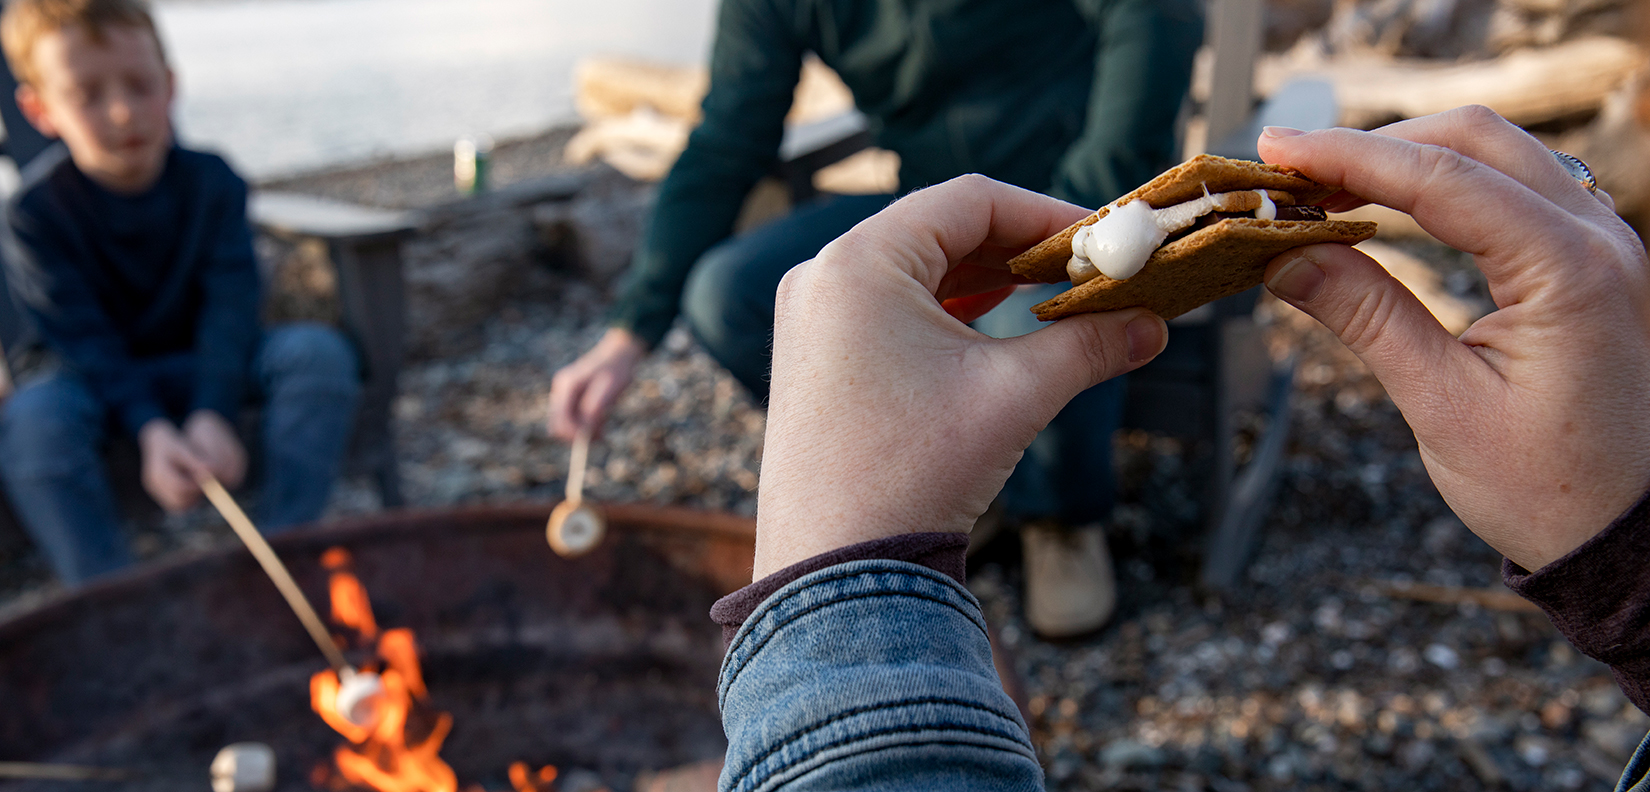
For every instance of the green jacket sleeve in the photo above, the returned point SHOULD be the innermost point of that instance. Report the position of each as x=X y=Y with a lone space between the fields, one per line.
x=1142 y=70
x=754 y=66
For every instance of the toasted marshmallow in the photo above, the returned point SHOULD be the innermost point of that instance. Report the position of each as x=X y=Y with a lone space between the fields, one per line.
x=358 y=696
x=1119 y=244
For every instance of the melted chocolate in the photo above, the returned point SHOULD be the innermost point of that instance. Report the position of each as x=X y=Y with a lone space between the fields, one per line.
x=1284 y=213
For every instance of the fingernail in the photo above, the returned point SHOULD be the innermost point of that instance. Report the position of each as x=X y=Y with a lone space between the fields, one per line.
x=1281 y=132
x=1298 y=280
x=1147 y=337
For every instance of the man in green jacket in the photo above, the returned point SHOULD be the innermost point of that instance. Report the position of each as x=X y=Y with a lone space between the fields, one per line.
x=1076 y=98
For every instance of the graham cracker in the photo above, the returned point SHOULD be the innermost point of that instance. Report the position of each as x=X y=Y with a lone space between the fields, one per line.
x=1214 y=262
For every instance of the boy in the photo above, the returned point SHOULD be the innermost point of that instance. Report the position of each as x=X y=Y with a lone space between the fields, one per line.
x=132 y=260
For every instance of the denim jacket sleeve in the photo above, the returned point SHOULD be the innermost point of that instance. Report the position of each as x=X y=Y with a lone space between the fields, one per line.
x=1636 y=776
x=870 y=674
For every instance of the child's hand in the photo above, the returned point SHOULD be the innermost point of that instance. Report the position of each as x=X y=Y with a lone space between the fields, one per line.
x=170 y=466
x=214 y=442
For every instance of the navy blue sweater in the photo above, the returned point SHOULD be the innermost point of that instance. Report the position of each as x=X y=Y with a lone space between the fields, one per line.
x=109 y=279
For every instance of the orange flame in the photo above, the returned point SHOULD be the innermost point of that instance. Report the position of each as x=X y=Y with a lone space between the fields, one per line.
x=525 y=781
x=350 y=606
x=323 y=698
x=382 y=755
x=400 y=653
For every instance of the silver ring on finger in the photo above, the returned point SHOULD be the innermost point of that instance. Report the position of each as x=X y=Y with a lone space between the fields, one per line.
x=1578 y=169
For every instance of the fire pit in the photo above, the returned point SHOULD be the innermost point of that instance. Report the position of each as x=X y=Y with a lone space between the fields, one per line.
x=605 y=663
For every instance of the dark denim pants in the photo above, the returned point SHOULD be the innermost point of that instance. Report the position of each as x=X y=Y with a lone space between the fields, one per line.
x=728 y=303
x=54 y=430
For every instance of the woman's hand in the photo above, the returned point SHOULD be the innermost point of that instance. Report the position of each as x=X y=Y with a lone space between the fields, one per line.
x=888 y=415
x=1535 y=423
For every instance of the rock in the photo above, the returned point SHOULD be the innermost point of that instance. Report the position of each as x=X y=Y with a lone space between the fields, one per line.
x=1443 y=657
x=1130 y=755
x=1613 y=738
x=579 y=780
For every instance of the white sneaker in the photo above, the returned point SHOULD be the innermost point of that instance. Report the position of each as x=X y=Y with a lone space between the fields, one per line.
x=1070 y=586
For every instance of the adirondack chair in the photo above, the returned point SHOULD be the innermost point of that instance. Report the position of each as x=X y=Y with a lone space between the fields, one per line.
x=363 y=245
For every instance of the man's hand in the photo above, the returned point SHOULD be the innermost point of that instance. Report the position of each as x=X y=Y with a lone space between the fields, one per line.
x=888 y=414
x=583 y=391
x=170 y=466
x=214 y=442
x=1535 y=424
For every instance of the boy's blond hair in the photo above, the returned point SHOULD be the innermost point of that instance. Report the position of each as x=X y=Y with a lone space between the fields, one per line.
x=24 y=22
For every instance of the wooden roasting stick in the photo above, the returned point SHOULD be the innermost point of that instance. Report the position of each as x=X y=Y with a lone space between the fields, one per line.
x=40 y=771
x=575 y=464
x=357 y=690
x=276 y=570
x=242 y=767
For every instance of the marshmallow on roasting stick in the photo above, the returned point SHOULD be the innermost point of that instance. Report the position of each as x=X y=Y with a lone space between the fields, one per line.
x=244 y=767
x=241 y=767
x=576 y=527
x=358 y=691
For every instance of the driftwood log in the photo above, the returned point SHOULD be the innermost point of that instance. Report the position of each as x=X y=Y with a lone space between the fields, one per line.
x=639 y=116
x=1617 y=147
x=1496 y=599
x=1529 y=86
x=615 y=88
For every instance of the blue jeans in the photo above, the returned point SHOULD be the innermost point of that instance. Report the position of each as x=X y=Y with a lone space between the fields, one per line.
x=870 y=675
x=728 y=298
x=54 y=429
x=728 y=303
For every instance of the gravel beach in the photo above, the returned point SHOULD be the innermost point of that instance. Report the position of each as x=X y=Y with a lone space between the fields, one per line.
x=1311 y=676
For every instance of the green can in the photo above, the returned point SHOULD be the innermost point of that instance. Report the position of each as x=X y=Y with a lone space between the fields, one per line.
x=472 y=160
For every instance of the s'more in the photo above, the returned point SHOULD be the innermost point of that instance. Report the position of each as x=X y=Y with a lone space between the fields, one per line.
x=1203 y=230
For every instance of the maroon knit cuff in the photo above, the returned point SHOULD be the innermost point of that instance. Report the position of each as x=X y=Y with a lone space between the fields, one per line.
x=945 y=553
x=1598 y=596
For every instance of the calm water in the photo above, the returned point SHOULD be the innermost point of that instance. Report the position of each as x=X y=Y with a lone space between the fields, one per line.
x=288 y=85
